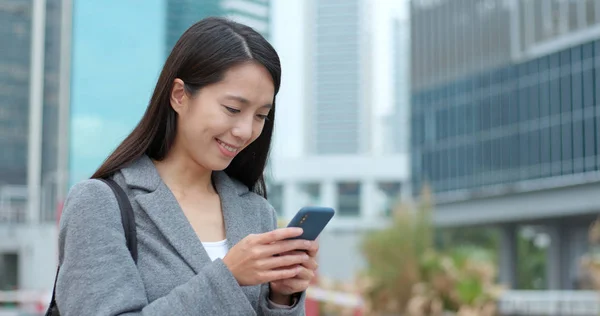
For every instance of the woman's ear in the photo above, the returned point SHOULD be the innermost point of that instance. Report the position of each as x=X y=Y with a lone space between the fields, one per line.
x=178 y=95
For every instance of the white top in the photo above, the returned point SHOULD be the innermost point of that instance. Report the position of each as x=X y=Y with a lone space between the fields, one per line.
x=216 y=249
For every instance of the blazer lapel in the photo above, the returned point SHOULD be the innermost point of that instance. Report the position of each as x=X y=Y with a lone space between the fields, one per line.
x=161 y=206
x=234 y=215
x=157 y=200
x=237 y=222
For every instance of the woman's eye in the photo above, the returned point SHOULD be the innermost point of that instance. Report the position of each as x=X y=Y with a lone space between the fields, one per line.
x=232 y=110
x=263 y=117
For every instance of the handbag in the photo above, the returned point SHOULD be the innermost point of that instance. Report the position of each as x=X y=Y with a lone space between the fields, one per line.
x=128 y=221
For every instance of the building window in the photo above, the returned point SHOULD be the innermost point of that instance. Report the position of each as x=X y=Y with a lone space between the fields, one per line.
x=349 y=198
x=312 y=193
x=9 y=271
x=390 y=196
x=275 y=196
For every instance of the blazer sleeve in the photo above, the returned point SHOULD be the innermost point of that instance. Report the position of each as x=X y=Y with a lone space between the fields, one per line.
x=264 y=308
x=98 y=276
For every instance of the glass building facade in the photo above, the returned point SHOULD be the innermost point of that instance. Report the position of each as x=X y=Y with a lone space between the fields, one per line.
x=111 y=88
x=505 y=120
x=15 y=87
x=181 y=14
x=338 y=101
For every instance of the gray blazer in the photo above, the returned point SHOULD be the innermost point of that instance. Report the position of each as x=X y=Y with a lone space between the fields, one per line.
x=174 y=275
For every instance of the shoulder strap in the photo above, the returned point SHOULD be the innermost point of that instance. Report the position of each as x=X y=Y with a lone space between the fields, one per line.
x=128 y=221
x=127 y=217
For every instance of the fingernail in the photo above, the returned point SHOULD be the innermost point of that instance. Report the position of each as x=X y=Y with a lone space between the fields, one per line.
x=307 y=243
x=305 y=257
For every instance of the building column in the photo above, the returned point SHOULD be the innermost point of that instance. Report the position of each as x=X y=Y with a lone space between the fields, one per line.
x=560 y=262
x=291 y=199
x=369 y=204
x=508 y=256
x=36 y=108
x=329 y=194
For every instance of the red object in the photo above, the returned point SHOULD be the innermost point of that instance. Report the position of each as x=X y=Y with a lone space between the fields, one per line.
x=312 y=306
x=59 y=208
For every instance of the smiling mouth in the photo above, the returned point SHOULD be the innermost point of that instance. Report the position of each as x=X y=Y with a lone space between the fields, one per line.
x=228 y=147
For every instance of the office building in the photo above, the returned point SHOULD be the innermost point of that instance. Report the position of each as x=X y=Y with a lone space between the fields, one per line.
x=504 y=105
x=334 y=144
x=31 y=37
x=181 y=14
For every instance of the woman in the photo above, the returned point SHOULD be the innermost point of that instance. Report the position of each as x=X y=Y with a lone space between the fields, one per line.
x=193 y=172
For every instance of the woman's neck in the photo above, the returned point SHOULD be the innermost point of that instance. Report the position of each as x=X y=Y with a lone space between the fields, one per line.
x=182 y=174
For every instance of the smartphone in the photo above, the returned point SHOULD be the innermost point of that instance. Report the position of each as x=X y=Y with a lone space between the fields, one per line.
x=312 y=219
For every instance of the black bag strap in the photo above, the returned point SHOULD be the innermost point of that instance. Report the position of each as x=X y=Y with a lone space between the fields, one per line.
x=128 y=221
x=127 y=217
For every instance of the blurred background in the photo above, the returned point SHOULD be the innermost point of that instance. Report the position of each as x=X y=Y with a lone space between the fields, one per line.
x=458 y=141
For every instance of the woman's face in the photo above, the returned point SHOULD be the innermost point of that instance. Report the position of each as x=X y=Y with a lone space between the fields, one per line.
x=220 y=120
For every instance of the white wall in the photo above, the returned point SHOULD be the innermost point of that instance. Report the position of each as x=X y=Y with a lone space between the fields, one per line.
x=36 y=246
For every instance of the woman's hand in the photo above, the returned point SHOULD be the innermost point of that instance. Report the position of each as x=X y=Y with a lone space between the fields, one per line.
x=282 y=289
x=255 y=260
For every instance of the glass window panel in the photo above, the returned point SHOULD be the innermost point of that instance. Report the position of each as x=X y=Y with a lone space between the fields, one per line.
x=555 y=96
x=541 y=17
x=573 y=16
x=567 y=149
x=578 y=141
x=504 y=109
x=523 y=104
x=588 y=51
x=590 y=143
x=469 y=158
x=276 y=197
x=534 y=104
x=496 y=154
x=514 y=151
x=545 y=151
x=534 y=153
x=439 y=124
x=453 y=167
x=9 y=270
x=349 y=198
x=504 y=153
x=460 y=162
x=588 y=87
x=452 y=121
x=434 y=166
x=556 y=149
x=476 y=116
x=426 y=167
x=495 y=115
x=523 y=150
x=486 y=156
x=513 y=107
x=576 y=86
x=477 y=160
x=590 y=12
x=461 y=122
x=554 y=60
x=544 y=103
x=485 y=113
x=442 y=161
x=565 y=82
x=469 y=118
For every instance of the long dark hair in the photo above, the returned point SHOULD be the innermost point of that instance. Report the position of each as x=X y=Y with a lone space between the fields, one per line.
x=201 y=57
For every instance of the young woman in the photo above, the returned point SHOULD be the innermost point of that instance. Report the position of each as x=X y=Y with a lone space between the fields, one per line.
x=193 y=171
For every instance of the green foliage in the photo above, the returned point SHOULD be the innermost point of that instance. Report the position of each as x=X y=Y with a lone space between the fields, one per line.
x=407 y=274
